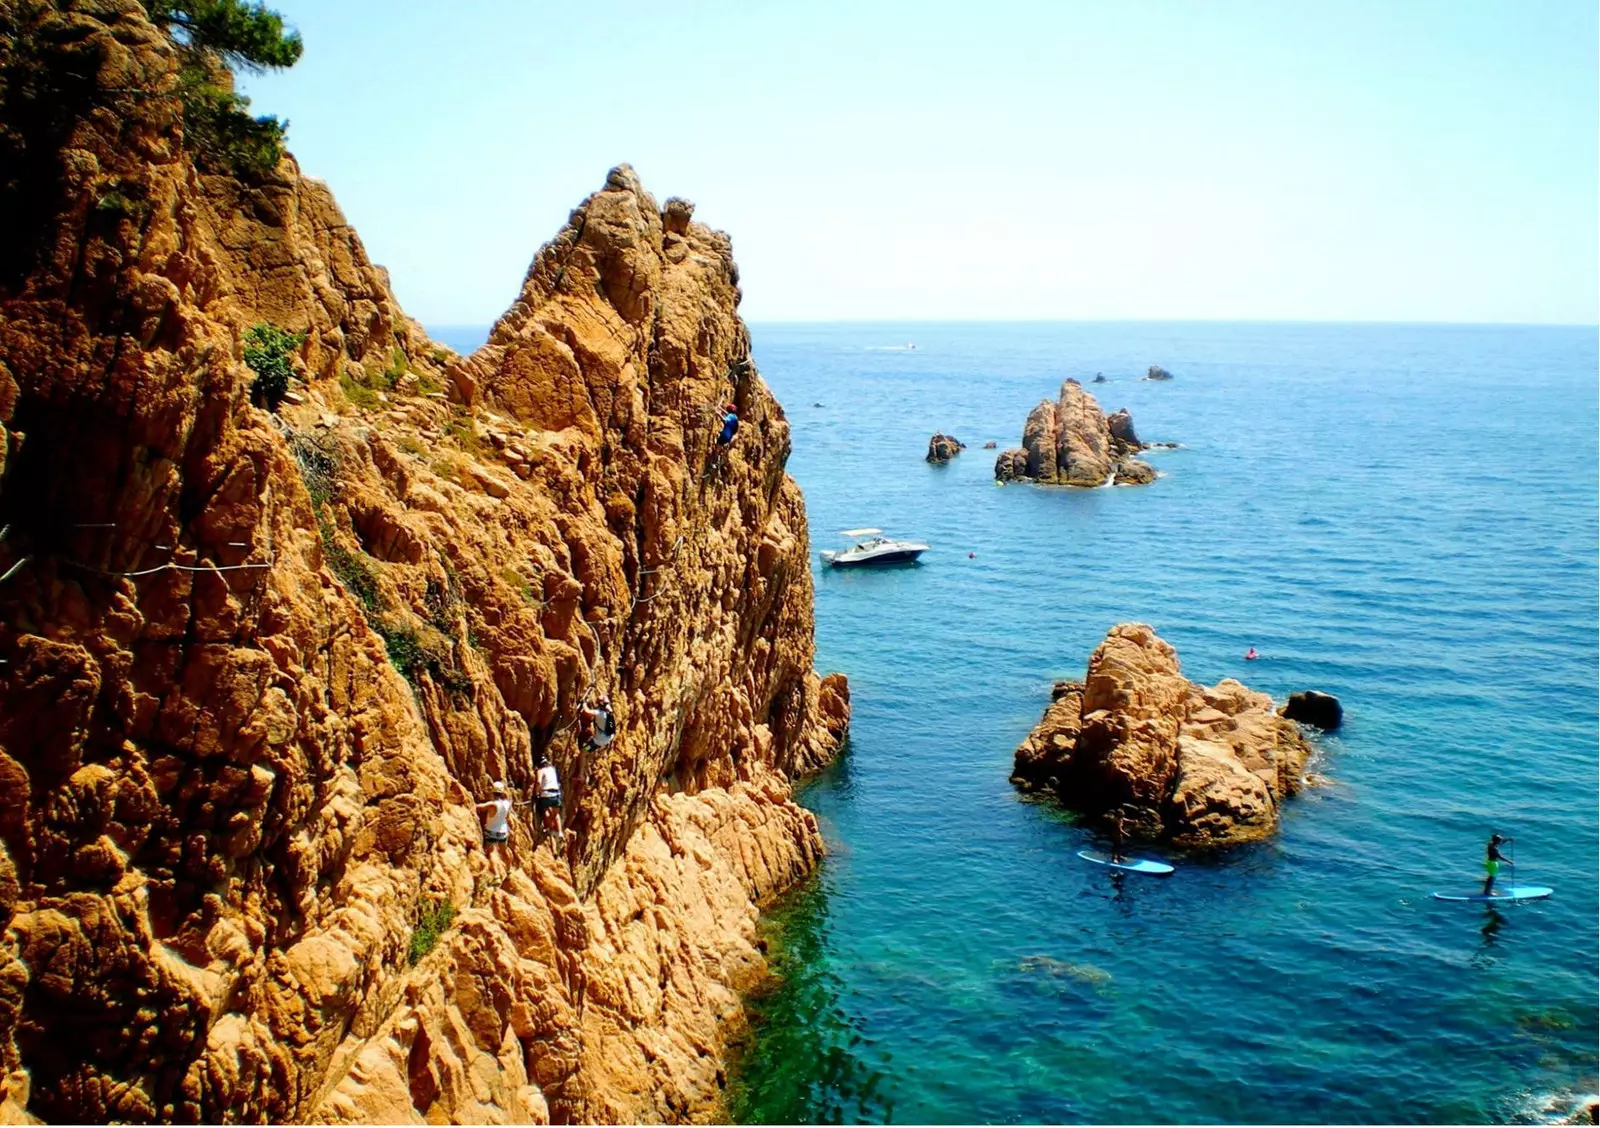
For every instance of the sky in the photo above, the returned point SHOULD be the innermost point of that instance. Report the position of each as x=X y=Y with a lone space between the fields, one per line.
x=1345 y=160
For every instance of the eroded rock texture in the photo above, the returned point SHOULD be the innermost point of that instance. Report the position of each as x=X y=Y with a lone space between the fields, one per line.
x=1191 y=764
x=942 y=447
x=259 y=667
x=1070 y=442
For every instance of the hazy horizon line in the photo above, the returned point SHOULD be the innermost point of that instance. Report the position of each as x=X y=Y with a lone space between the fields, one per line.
x=1106 y=321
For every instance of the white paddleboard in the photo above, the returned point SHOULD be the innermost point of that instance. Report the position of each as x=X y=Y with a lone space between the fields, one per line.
x=1134 y=865
x=1508 y=893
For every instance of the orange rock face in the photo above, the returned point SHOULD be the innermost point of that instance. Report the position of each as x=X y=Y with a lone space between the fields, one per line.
x=260 y=667
x=1195 y=765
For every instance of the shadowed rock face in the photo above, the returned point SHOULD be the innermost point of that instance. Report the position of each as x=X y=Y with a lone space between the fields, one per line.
x=1071 y=443
x=1191 y=764
x=1313 y=708
x=259 y=668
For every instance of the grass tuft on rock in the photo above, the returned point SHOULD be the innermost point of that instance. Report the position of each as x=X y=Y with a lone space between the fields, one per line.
x=433 y=920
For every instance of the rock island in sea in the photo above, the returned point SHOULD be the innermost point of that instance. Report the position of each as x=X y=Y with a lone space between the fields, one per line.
x=260 y=665
x=1188 y=764
x=1071 y=442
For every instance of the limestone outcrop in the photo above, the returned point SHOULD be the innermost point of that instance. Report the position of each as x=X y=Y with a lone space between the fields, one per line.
x=942 y=447
x=1071 y=442
x=260 y=666
x=1188 y=764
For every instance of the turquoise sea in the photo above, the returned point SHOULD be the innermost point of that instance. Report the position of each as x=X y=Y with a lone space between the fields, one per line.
x=1404 y=516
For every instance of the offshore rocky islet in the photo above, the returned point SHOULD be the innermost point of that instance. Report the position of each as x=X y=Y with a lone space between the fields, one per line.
x=1070 y=441
x=260 y=667
x=1194 y=765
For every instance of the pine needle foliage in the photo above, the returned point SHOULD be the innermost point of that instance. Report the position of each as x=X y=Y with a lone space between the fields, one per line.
x=216 y=38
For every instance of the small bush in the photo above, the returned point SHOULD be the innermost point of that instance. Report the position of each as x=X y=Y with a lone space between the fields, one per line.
x=427 y=385
x=405 y=648
x=415 y=652
x=398 y=365
x=440 y=356
x=113 y=201
x=353 y=384
x=443 y=602
x=464 y=430
x=266 y=351
x=351 y=569
x=412 y=446
x=433 y=920
x=517 y=580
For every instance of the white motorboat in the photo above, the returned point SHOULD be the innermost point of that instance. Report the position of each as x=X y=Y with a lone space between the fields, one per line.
x=874 y=550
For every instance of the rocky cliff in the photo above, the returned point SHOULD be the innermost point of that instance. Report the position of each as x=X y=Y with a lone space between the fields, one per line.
x=1071 y=442
x=1191 y=764
x=259 y=666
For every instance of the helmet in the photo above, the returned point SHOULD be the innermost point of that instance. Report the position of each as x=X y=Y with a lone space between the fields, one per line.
x=499 y=787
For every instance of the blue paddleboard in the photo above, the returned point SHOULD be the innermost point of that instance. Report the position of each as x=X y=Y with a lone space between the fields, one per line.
x=1509 y=893
x=1135 y=865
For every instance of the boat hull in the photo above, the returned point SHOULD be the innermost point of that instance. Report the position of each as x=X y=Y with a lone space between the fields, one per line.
x=902 y=556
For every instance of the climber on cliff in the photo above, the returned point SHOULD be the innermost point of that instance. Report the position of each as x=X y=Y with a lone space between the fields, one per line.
x=547 y=796
x=602 y=725
x=496 y=814
x=730 y=424
x=730 y=428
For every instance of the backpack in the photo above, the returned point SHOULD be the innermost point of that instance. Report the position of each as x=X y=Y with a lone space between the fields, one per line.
x=605 y=724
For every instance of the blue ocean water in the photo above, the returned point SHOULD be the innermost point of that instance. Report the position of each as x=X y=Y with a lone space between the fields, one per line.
x=1404 y=516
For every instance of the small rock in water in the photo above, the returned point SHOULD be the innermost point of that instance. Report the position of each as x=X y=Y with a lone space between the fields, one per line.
x=1320 y=709
x=942 y=447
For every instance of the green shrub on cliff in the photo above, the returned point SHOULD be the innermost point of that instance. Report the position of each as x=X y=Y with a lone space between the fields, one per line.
x=266 y=351
x=215 y=38
x=433 y=918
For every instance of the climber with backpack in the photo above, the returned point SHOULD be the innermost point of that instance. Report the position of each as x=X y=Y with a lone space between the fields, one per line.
x=602 y=724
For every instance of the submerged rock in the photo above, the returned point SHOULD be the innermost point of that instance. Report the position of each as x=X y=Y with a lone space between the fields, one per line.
x=1157 y=373
x=942 y=447
x=990 y=445
x=1320 y=709
x=1191 y=764
x=1071 y=442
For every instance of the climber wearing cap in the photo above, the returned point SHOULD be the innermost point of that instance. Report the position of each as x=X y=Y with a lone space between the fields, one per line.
x=547 y=795
x=730 y=424
x=496 y=816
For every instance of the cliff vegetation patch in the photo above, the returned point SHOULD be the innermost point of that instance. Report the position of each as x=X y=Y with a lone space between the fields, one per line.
x=266 y=351
x=215 y=38
x=434 y=918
